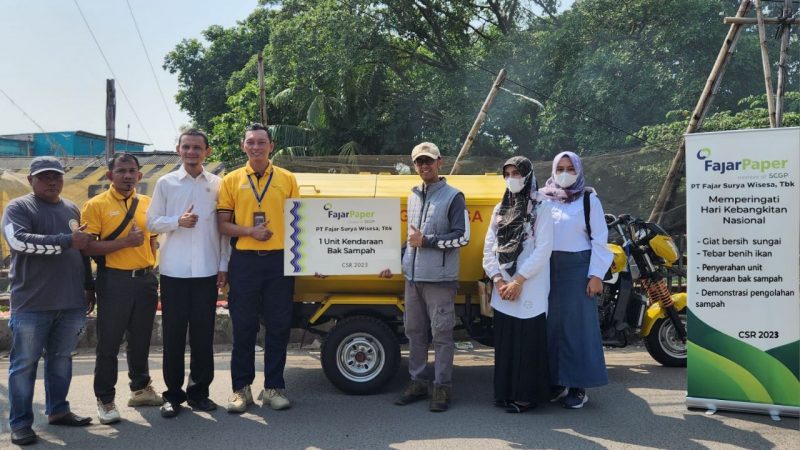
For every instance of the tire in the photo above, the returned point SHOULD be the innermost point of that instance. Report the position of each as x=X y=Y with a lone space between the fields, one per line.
x=360 y=355
x=663 y=344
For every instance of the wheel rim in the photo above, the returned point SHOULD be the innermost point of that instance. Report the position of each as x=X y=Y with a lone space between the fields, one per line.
x=360 y=357
x=669 y=340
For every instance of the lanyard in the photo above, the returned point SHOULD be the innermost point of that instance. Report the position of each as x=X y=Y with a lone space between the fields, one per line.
x=264 y=192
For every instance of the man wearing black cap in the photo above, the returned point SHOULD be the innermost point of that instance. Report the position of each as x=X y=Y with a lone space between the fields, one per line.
x=48 y=297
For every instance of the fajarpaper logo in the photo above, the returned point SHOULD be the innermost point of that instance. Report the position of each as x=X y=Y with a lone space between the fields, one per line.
x=704 y=154
x=339 y=215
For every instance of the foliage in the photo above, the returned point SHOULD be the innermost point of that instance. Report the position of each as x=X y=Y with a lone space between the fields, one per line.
x=753 y=113
x=203 y=72
x=349 y=77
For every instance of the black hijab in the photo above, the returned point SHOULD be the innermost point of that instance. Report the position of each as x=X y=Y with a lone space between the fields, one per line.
x=513 y=215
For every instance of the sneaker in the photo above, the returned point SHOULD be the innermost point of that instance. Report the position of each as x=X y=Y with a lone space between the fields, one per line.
x=440 y=400
x=275 y=399
x=576 y=398
x=416 y=390
x=107 y=412
x=238 y=402
x=145 y=397
x=557 y=393
x=203 y=404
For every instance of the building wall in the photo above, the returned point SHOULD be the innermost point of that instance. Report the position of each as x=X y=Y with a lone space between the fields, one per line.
x=76 y=144
x=13 y=147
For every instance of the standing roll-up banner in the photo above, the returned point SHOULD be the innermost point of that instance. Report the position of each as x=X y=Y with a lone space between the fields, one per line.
x=743 y=233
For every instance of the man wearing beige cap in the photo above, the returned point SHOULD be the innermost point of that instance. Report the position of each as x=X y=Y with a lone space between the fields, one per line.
x=438 y=226
x=48 y=297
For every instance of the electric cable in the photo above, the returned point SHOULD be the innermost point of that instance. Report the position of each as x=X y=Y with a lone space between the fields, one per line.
x=108 y=64
x=55 y=146
x=152 y=70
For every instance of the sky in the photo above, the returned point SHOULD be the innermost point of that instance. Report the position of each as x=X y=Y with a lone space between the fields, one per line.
x=51 y=68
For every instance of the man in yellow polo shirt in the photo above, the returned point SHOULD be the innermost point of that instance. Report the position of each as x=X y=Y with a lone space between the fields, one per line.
x=250 y=210
x=126 y=285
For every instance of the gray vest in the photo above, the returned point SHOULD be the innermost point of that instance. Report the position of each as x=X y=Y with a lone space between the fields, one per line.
x=429 y=213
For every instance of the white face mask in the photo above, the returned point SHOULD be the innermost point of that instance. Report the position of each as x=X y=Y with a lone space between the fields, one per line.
x=515 y=184
x=565 y=179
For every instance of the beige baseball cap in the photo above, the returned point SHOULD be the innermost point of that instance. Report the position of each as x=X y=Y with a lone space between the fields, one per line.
x=428 y=149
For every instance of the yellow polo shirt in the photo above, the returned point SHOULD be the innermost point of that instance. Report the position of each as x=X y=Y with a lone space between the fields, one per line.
x=236 y=195
x=104 y=212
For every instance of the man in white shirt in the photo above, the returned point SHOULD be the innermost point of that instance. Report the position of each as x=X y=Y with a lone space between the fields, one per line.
x=194 y=265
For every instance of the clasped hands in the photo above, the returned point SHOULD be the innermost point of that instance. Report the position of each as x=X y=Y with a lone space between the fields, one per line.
x=509 y=290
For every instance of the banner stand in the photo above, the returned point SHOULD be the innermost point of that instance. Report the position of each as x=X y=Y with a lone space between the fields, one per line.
x=743 y=283
x=712 y=405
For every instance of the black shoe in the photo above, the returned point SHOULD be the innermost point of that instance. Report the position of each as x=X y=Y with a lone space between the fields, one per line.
x=519 y=408
x=170 y=409
x=415 y=391
x=440 y=400
x=204 y=404
x=70 y=420
x=23 y=436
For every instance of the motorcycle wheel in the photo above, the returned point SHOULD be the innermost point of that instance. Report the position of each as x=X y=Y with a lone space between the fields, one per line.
x=663 y=343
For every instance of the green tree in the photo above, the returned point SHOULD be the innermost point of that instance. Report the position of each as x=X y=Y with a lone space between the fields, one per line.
x=203 y=70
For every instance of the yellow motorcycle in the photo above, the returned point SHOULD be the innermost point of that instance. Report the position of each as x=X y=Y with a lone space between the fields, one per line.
x=636 y=299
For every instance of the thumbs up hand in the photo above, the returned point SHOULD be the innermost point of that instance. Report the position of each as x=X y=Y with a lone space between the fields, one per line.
x=80 y=239
x=135 y=237
x=414 y=237
x=188 y=219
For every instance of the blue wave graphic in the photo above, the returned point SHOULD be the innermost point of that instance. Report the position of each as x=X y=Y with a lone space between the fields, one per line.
x=294 y=236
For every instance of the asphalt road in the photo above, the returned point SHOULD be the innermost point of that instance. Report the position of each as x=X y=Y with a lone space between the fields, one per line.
x=642 y=407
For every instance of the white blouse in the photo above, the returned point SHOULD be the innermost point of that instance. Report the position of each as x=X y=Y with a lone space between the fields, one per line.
x=570 y=234
x=533 y=264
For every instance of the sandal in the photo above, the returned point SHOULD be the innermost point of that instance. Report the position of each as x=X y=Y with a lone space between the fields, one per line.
x=518 y=408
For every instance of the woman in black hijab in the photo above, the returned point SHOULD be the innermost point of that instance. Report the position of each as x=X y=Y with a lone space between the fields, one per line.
x=516 y=256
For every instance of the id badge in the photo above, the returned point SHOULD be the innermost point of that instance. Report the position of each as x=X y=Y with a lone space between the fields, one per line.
x=259 y=218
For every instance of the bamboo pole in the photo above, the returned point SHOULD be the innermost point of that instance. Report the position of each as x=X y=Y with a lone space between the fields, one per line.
x=700 y=110
x=498 y=82
x=782 y=70
x=111 y=114
x=762 y=39
x=754 y=21
x=262 y=99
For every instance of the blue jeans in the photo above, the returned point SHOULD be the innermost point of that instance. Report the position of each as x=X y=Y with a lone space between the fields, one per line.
x=54 y=333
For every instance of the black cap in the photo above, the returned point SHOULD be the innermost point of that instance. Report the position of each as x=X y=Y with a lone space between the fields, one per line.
x=44 y=164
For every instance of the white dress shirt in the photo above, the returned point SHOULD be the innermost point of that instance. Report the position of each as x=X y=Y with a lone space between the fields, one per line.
x=188 y=252
x=533 y=263
x=570 y=233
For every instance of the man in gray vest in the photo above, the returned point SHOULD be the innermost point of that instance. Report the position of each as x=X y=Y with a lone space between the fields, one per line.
x=438 y=225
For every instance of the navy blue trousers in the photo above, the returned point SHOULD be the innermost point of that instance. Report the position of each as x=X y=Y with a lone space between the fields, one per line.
x=258 y=289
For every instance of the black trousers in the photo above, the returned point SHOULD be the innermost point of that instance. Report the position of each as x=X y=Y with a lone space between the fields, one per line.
x=259 y=289
x=126 y=308
x=188 y=303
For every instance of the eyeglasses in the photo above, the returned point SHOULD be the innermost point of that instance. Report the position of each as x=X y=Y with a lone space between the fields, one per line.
x=424 y=161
